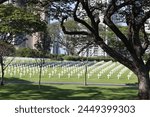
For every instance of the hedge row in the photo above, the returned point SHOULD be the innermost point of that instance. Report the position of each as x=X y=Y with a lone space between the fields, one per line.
x=78 y=58
x=26 y=52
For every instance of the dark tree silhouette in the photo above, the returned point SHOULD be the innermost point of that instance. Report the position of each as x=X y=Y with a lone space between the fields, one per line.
x=5 y=50
x=43 y=47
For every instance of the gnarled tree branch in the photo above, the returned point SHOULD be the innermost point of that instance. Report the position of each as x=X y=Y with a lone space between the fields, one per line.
x=80 y=20
x=146 y=41
x=72 y=32
x=148 y=64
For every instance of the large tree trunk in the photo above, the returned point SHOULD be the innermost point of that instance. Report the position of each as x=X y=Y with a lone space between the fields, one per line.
x=2 y=68
x=2 y=78
x=42 y=61
x=144 y=84
x=40 y=75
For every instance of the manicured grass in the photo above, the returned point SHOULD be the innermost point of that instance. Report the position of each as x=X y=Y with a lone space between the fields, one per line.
x=19 y=83
x=76 y=80
x=65 y=92
x=50 y=74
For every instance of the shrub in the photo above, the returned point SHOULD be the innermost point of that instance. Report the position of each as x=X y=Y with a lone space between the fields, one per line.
x=72 y=58
x=26 y=52
x=56 y=56
x=78 y=58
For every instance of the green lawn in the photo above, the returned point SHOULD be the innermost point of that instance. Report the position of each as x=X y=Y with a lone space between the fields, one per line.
x=50 y=74
x=19 y=83
x=65 y=92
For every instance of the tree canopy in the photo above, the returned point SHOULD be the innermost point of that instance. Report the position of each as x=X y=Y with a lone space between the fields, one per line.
x=16 y=20
x=6 y=49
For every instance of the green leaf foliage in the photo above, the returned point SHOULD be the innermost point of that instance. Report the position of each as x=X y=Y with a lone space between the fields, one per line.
x=6 y=49
x=17 y=20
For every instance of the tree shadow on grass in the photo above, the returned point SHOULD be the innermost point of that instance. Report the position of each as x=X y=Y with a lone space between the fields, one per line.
x=16 y=80
x=25 y=90
x=112 y=93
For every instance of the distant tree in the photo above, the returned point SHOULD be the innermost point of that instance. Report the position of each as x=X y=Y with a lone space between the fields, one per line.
x=43 y=48
x=26 y=52
x=15 y=21
x=5 y=50
x=73 y=44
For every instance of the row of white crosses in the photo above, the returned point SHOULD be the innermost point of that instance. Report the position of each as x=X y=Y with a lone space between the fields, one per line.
x=22 y=70
x=90 y=69
x=31 y=70
x=129 y=75
x=98 y=67
x=53 y=71
x=66 y=70
x=69 y=69
x=122 y=72
x=79 y=70
x=18 y=68
x=13 y=71
x=106 y=68
x=95 y=65
x=115 y=69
